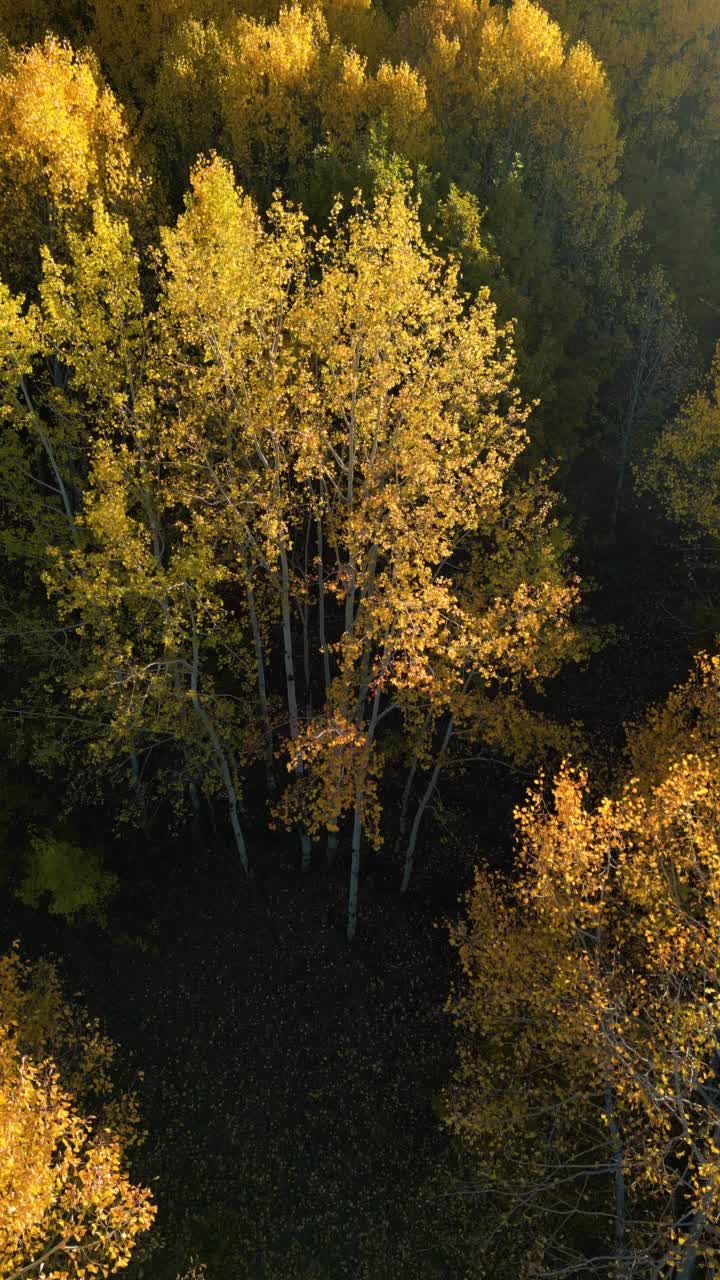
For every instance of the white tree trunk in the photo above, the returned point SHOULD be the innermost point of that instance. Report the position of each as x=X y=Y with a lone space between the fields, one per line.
x=262 y=692
x=354 y=872
x=422 y=806
x=407 y=791
x=54 y=467
x=289 y=663
x=321 y=609
x=220 y=755
x=357 y=827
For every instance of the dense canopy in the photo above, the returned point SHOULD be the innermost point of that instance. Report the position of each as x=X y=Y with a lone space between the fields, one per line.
x=359 y=520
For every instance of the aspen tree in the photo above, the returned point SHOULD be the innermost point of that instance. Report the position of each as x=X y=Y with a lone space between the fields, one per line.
x=227 y=288
x=588 y=1013
x=412 y=427
x=683 y=469
x=146 y=614
x=67 y=1205
x=64 y=142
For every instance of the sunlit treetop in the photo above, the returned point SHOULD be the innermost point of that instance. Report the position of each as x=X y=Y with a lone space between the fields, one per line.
x=64 y=143
x=685 y=467
x=508 y=90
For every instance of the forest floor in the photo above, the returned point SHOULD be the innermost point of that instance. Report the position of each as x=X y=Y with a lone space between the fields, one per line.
x=288 y=1082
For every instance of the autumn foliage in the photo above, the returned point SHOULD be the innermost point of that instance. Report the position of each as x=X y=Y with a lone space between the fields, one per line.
x=356 y=452
x=588 y=1013
x=67 y=1206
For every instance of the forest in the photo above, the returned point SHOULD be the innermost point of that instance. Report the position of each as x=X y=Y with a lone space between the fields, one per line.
x=359 y=617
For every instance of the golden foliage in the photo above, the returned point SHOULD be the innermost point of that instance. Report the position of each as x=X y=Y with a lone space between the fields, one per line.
x=64 y=144
x=589 y=1011
x=684 y=469
x=67 y=1207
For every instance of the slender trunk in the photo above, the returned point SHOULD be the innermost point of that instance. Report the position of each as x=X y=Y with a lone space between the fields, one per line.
x=332 y=836
x=405 y=803
x=140 y=791
x=232 y=799
x=331 y=847
x=363 y=687
x=349 y=502
x=364 y=680
x=354 y=871
x=288 y=660
x=350 y=598
x=618 y=1173
x=321 y=609
x=422 y=806
x=305 y=613
x=688 y=1262
x=221 y=757
x=262 y=691
x=54 y=467
x=236 y=784
x=293 y=717
x=194 y=798
x=407 y=791
x=357 y=824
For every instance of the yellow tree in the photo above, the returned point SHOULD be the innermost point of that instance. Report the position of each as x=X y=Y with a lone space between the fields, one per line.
x=662 y=60
x=64 y=143
x=141 y=586
x=29 y=22
x=527 y=124
x=67 y=1205
x=588 y=1017
x=280 y=94
x=518 y=598
x=411 y=427
x=130 y=36
x=504 y=86
x=683 y=469
x=228 y=283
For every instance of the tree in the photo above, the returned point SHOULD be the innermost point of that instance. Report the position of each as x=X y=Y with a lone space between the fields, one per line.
x=147 y=614
x=662 y=61
x=657 y=370
x=311 y=436
x=527 y=124
x=67 y=1206
x=412 y=427
x=588 y=1016
x=683 y=469
x=64 y=143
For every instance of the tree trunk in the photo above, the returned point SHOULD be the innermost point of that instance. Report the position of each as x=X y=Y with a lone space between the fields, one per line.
x=357 y=825
x=618 y=1173
x=220 y=755
x=293 y=717
x=332 y=836
x=422 y=806
x=686 y=1266
x=54 y=467
x=262 y=692
x=321 y=609
x=407 y=792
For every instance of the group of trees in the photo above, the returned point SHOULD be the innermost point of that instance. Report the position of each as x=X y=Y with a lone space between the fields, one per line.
x=67 y=1207
x=588 y=1021
x=307 y=446
x=324 y=329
